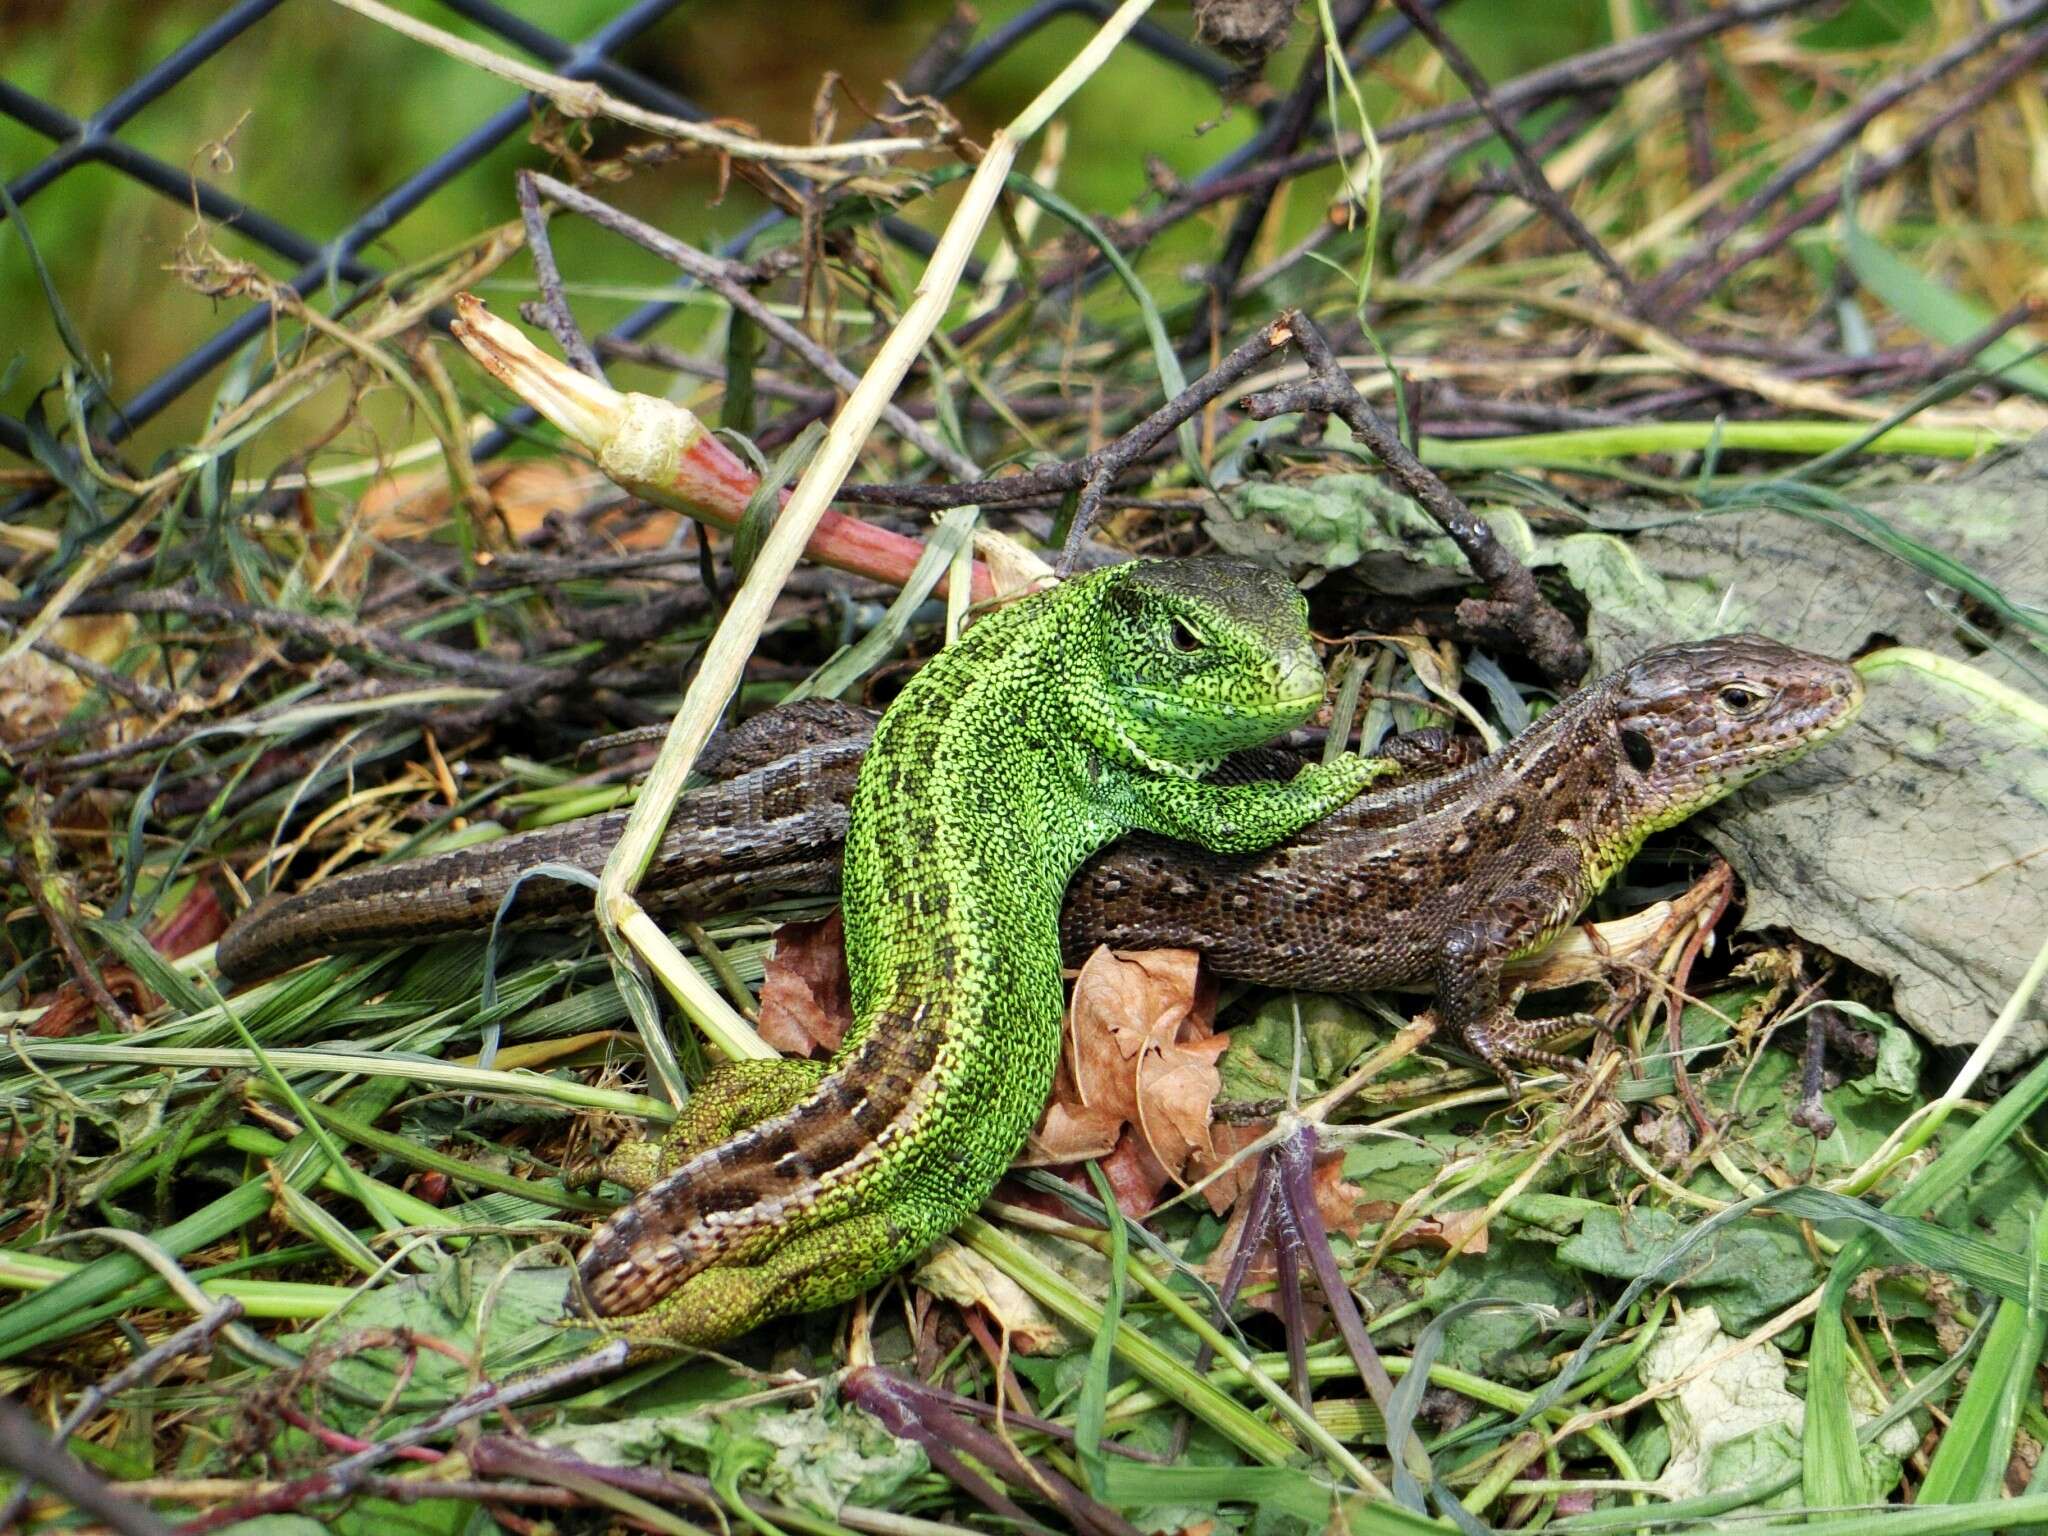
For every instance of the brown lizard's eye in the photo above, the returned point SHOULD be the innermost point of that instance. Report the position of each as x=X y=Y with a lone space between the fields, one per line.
x=1184 y=638
x=1738 y=700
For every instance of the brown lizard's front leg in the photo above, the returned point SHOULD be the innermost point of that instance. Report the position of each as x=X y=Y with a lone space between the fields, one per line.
x=1469 y=1003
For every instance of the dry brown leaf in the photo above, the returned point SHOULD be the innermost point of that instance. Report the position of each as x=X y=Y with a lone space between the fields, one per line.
x=1135 y=1176
x=1336 y=1201
x=1459 y=1231
x=1177 y=1087
x=1069 y=1133
x=806 y=1001
x=415 y=504
x=1231 y=1187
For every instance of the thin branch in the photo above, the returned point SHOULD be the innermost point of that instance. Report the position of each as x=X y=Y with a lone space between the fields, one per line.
x=1692 y=87
x=580 y=98
x=722 y=277
x=335 y=634
x=551 y=310
x=345 y=1475
x=1284 y=132
x=1602 y=69
x=1844 y=132
x=1514 y=606
x=1535 y=185
x=1103 y=465
x=195 y=1336
x=1868 y=175
x=24 y=1447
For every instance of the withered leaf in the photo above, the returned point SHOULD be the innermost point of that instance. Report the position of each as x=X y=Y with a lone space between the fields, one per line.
x=1141 y=1050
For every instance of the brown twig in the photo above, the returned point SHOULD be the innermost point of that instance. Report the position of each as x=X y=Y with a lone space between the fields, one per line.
x=725 y=279
x=1810 y=1113
x=1106 y=464
x=1666 y=293
x=1513 y=606
x=1598 y=70
x=1103 y=465
x=343 y=1477
x=24 y=1447
x=1692 y=89
x=195 y=1336
x=144 y=696
x=1935 y=364
x=334 y=634
x=1291 y=120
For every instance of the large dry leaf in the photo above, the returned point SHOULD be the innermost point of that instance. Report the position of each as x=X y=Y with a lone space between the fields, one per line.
x=1141 y=1050
x=963 y=1276
x=1135 y=1176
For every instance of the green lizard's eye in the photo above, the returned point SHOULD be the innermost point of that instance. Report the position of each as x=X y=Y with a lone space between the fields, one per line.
x=1739 y=701
x=1183 y=637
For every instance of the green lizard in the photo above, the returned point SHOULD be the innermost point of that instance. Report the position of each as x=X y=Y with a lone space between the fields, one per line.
x=1050 y=728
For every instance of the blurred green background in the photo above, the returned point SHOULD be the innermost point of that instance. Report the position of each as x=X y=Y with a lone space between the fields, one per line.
x=316 y=112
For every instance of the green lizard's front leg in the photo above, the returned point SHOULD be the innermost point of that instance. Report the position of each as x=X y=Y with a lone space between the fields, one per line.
x=1238 y=818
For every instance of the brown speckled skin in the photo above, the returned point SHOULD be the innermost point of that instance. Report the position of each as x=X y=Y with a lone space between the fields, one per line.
x=1437 y=880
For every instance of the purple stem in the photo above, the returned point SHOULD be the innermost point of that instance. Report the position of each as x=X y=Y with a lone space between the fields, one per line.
x=1297 y=1167
x=908 y=1410
x=1258 y=1217
x=1287 y=1245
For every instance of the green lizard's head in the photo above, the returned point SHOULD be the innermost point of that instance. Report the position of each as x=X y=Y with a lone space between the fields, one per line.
x=1697 y=721
x=1193 y=660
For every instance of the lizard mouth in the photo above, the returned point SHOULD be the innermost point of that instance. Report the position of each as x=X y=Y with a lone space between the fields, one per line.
x=1299 y=684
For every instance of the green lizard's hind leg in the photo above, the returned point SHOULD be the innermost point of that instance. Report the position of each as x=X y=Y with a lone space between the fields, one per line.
x=821 y=1268
x=735 y=1095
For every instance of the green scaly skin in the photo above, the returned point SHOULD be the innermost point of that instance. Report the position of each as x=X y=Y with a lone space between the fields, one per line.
x=1050 y=728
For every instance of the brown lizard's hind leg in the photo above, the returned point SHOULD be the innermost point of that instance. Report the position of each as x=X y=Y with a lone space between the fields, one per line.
x=735 y=1095
x=819 y=1269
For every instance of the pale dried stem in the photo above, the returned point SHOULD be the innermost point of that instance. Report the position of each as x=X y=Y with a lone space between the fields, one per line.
x=725 y=658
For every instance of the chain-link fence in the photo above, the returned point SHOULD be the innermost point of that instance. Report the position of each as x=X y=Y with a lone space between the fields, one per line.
x=339 y=261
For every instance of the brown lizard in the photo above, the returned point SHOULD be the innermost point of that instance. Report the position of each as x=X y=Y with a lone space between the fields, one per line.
x=1439 y=880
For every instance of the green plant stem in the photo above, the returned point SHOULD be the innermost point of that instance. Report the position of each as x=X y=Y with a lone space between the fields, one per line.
x=1798 y=438
x=286 y=1300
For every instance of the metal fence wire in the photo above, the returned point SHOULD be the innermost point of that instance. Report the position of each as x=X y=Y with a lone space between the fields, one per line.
x=337 y=261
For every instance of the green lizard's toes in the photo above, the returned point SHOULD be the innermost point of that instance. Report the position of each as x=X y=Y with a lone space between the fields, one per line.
x=635 y=1163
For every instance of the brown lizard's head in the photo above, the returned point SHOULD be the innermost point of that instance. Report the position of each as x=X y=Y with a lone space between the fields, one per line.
x=1698 y=720
x=1193 y=660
